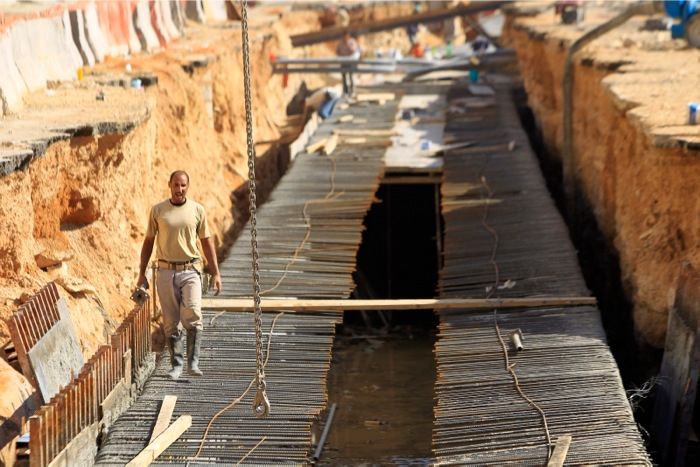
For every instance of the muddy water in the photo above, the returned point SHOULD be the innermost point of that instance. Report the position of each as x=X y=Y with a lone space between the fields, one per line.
x=383 y=388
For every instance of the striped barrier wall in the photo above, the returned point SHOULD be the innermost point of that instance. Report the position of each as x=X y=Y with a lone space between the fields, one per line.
x=53 y=41
x=114 y=19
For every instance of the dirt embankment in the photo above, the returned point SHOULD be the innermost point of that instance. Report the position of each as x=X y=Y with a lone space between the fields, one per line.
x=633 y=149
x=81 y=208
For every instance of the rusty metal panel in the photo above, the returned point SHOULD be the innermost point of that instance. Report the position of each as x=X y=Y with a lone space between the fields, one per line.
x=678 y=380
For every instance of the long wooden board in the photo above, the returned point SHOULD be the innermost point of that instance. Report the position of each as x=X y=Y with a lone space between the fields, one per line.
x=164 y=416
x=161 y=443
x=270 y=304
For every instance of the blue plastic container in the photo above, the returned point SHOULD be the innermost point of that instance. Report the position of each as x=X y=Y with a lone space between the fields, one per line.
x=693 y=113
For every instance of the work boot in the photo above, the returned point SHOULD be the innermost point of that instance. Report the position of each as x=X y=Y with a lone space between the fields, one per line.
x=194 y=343
x=176 y=358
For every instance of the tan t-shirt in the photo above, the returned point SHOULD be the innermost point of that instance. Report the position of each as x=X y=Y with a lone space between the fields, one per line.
x=176 y=229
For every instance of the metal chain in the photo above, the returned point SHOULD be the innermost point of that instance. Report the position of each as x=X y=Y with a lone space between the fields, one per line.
x=261 y=405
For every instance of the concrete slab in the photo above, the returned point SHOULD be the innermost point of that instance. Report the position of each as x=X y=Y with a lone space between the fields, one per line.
x=77 y=23
x=51 y=49
x=73 y=51
x=157 y=21
x=215 y=10
x=134 y=42
x=33 y=71
x=13 y=160
x=12 y=85
x=57 y=356
x=95 y=36
x=142 y=22
x=194 y=11
x=167 y=19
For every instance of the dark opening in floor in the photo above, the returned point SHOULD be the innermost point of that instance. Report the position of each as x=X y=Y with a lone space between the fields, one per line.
x=383 y=369
x=399 y=254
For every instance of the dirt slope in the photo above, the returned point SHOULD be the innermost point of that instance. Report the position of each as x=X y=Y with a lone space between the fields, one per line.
x=636 y=158
x=81 y=208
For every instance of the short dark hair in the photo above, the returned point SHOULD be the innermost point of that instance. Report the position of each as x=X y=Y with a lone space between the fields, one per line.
x=179 y=172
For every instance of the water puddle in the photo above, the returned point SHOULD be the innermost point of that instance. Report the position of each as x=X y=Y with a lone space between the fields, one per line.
x=383 y=388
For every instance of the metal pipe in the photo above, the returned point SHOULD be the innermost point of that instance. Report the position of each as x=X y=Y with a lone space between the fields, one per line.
x=322 y=441
x=348 y=69
x=516 y=337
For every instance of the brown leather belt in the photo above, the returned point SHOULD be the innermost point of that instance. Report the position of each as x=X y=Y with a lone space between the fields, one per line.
x=178 y=265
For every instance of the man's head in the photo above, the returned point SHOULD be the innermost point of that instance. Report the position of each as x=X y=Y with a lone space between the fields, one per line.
x=178 y=184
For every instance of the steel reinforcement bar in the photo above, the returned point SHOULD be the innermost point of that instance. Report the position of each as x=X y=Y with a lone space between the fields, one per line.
x=77 y=406
x=31 y=322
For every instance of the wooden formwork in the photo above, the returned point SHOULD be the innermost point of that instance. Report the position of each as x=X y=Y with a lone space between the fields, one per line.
x=77 y=406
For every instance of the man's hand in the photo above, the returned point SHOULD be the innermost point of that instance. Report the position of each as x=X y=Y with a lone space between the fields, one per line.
x=216 y=283
x=141 y=281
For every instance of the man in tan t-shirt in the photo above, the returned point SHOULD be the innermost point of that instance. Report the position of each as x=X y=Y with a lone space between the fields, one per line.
x=174 y=225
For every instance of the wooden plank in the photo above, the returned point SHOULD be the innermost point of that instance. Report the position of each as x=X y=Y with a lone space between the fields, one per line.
x=330 y=145
x=560 y=451
x=161 y=443
x=346 y=118
x=164 y=415
x=363 y=132
x=375 y=97
x=271 y=304
x=316 y=146
x=412 y=180
x=367 y=27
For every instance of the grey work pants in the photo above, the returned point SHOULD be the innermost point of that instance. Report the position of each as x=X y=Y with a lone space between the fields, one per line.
x=180 y=294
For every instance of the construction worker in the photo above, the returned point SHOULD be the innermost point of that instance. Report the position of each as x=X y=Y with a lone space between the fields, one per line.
x=174 y=226
x=322 y=100
x=347 y=47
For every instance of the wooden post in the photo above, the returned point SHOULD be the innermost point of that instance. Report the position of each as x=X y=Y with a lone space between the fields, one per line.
x=678 y=381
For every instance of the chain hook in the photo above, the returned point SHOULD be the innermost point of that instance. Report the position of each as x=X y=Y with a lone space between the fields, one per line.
x=261 y=404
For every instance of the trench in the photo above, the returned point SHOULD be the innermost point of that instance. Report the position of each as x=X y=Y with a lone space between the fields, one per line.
x=600 y=265
x=383 y=368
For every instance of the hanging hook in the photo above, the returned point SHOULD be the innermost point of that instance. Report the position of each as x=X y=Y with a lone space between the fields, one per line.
x=261 y=405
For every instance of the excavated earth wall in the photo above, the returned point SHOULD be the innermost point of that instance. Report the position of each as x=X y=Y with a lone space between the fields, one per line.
x=81 y=162
x=74 y=209
x=636 y=159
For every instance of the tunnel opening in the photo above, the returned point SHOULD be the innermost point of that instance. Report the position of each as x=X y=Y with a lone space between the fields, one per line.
x=383 y=368
x=600 y=267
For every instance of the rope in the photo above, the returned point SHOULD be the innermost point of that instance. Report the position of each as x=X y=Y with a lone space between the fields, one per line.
x=497 y=281
x=254 y=448
x=250 y=385
x=329 y=197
